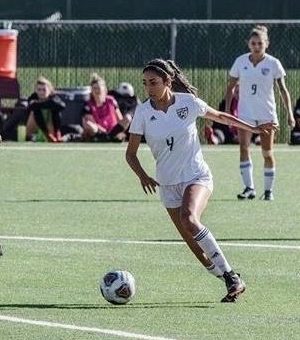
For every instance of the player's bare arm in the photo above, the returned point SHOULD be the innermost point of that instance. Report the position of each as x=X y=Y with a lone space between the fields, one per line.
x=227 y=119
x=287 y=100
x=148 y=183
x=229 y=92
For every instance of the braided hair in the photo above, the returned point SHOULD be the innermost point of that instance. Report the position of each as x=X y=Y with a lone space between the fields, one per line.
x=167 y=69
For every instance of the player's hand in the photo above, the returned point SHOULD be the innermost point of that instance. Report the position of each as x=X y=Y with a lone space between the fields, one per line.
x=267 y=128
x=148 y=184
x=291 y=122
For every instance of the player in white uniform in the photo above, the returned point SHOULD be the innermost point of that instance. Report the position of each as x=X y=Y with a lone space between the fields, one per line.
x=168 y=122
x=255 y=72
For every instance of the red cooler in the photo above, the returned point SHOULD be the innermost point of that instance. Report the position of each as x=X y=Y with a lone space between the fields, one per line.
x=8 y=53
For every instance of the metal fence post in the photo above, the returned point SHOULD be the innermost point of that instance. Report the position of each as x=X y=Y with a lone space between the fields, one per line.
x=208 y=9
x=173 y=39
x=69 y=9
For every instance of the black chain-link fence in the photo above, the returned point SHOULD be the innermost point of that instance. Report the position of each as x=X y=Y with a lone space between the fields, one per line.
x=68 y=52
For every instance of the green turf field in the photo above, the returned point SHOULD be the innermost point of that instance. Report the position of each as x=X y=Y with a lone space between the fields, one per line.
x=88 y=192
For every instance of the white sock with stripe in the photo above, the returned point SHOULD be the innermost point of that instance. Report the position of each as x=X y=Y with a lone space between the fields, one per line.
x=246 y=168
x=209 y=245
x=269 y=178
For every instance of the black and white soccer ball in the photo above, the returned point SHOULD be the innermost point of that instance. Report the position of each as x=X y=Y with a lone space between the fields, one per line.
x=118 y=287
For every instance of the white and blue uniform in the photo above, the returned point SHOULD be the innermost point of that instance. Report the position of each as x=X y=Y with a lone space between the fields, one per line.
x=256 y=103
x=173 y=139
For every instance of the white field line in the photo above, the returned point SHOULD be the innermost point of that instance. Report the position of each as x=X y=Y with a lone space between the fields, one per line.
x=80 y=240
x=98 y=148
x=65 y=148
x=81 y=328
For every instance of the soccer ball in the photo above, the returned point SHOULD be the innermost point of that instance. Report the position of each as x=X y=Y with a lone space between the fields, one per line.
x=117 y=287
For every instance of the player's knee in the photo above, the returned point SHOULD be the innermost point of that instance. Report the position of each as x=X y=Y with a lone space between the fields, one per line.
x=268 y=154
x=90 y=128
x=188 y=220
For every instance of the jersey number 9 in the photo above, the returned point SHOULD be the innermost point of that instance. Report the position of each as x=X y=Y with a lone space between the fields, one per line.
x=253 y=88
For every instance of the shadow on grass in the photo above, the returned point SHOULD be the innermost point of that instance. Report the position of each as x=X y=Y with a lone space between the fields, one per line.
x=87 y=200
x=138 y=305
x=66 y=200
x=225 y=200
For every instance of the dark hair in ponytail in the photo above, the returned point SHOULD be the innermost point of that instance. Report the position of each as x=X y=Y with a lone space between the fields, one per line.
x=167 y=69
x=260 y=31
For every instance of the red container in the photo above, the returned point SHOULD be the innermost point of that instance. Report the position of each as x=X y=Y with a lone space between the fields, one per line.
x=8 y=53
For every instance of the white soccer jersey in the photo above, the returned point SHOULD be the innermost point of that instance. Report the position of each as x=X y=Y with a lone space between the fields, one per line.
x=173 y=138
x=256 y=86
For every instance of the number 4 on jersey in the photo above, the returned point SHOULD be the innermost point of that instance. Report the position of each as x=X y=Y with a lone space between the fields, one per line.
x=170 y=142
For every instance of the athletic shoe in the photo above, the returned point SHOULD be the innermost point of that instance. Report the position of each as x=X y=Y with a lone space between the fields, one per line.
x=100 y=137
x=267 y=196
x=58 y=136
x=51 y=138
x=71 y=137
x=235 y=286
x=248 y=193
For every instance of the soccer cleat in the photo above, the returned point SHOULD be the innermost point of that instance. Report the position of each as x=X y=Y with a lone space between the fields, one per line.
x=229 y=299
x=267 y=196
x=235 y=287
x=248 y=193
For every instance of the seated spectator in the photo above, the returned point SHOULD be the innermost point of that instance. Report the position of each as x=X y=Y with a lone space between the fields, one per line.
x=295 y=133
x=102 y=118
x=9 y=123
x=125 y=97
x=44 y=108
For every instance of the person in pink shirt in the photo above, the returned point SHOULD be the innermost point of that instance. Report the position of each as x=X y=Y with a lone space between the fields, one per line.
x=102 y=118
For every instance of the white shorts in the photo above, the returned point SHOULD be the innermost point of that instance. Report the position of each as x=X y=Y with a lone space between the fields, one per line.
x=257 y=122
x=171 y=195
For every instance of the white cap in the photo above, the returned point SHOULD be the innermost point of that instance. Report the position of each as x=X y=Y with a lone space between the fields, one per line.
x=125 y=89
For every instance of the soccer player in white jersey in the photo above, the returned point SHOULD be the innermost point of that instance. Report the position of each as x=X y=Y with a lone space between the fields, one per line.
x=167 y=119
x=256 y=72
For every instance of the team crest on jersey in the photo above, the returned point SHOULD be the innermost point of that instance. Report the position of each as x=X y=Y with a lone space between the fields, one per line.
x=265 y=71
x=182 y=113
